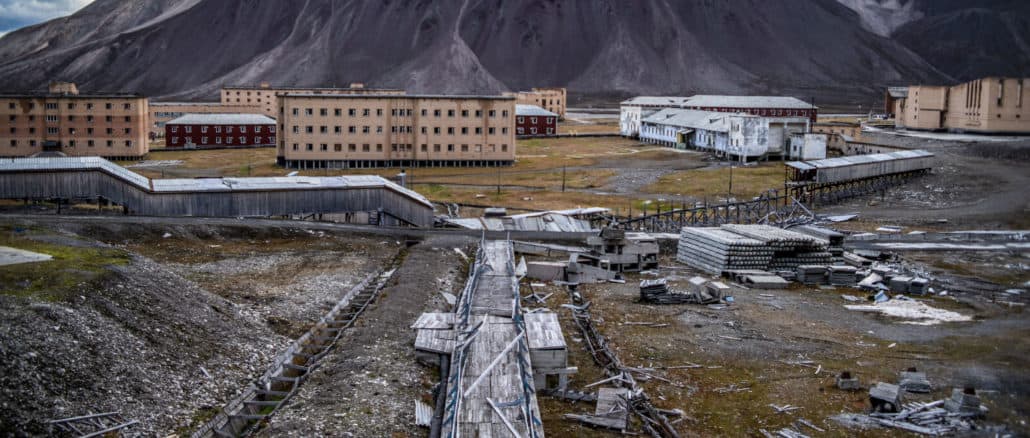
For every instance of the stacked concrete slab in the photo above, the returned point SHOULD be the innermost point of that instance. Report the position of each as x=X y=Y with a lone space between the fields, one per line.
x=750 y=247
x=717 y=250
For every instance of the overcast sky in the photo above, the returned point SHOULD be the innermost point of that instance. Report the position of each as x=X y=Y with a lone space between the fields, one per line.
x=16 y=14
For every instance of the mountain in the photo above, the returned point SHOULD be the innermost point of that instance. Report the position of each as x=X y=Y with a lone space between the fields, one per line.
x=186 y=49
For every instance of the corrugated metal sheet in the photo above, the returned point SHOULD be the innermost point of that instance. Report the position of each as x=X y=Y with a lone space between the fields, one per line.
x=532 y=110
x=865 y=166
x=222 y=119
x=423 y=414
x=784 y=102
x=682 y=118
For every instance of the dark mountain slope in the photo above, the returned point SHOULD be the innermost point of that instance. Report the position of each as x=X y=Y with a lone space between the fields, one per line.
x=969 y=43
x=189 y=48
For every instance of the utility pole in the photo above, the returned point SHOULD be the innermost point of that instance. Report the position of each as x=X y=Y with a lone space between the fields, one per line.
x=730 y=195
x=498 y=179
x=563 y=179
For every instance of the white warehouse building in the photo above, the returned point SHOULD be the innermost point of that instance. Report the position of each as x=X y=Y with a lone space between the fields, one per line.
x=735 y=135
x=633 y=111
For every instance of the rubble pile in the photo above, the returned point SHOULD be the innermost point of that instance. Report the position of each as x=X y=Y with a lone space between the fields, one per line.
x=701 y=291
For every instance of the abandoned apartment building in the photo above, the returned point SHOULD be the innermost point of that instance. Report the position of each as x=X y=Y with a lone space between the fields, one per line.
x=382 y=130
x=64 y=121
x=551 y=99
x=632 y=112
x=992 y=105
x=737 y=136
x=220 y=130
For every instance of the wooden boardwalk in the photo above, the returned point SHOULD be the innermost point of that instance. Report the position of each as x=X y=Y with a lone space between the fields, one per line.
x=490 y=390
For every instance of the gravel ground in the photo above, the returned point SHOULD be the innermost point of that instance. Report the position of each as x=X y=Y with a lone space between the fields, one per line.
x=137 y=344
x=368 y=385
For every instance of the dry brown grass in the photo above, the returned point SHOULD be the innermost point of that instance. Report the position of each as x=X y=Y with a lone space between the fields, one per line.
x=748 y=182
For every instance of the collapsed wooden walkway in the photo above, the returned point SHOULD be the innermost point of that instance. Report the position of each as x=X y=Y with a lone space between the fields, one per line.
x=490 y=389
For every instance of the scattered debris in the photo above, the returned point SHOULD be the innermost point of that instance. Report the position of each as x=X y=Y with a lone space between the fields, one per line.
x=847 y=381
x=785 y=409
x=885 y=397
x=913 y=380
x=701 y=292
x=94 y=425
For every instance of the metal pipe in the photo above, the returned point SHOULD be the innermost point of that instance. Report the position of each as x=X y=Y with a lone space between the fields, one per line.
x=441 y=397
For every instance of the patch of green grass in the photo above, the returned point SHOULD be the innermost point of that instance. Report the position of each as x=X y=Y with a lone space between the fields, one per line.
x=55 y=279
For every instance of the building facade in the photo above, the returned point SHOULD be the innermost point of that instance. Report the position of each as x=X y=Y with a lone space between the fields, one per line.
x=634 y=110
x=359 y=131
x=553 y=99
x=164 y=112
x=533 y=121
x=62 y=120
x=266 y=97
x=736 y=135
x=839 y=134
x=199 y=131
x=992 y=105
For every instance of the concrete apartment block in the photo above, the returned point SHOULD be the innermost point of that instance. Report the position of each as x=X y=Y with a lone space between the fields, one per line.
x=61 y=120
x=356 y=131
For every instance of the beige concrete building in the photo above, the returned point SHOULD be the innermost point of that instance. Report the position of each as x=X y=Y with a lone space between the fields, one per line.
x=992 y=105
x=112 y=126
x=164 y=112
x=265 y=95
x=359 y=131
x=839 y=133
x=552 y=99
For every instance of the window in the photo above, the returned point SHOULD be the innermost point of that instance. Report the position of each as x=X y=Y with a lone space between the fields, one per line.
x=309 y=129
x=479 y=130
x=257 y=129
x=352 y=112
x=436 y=130
x=218 y=140
x=364 y=129
x=425 y=147
x=379 y=147
x=110 y=143
x=128 y=119
x=52 y=131
x=91 y=143
x=379 y=112
x=52 y=119
x=492 y=113
x=520 y=120
x=271 y=129
x=11 y=105
x=504 y=148
x=520 y=130
x=425 y=130
x=110 y=131
x=33 y=143
x=337 y=129
x=309 y=111
x=243 y=140
x=228 y=140
x=14 y=130
x=295 y=145
x=436 y=148
x=174 y=129
x=450 y=130
x=532 y=120
x=504 y=113
x=464 y=113
x=464 y=148
x=450 y=113
x=203 y=129
x=352 y=129
x=490 y=130
x=450 y=148
x=479 y=148
x=436 y=113
x=379 y=129
x=12 y=117
x=424 y=112
x=351 y=147
x=364 y=112
x=71 y=118
x=532 y=130
x=393 y=147
x=464 y=130
x=323 y=112
x=51 y=106
x=338 y=112
x=14 y=143
x=338 y=147
x=324 y=147
x=550 y=131
x=550 y=120
x=479 y=113
x=296 y=112
x=203 y=140
x=107 y=105
x=504 y=130
x=128 y=130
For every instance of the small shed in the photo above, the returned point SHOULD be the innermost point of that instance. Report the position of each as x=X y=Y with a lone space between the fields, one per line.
x=434 y=337
x=547 y=349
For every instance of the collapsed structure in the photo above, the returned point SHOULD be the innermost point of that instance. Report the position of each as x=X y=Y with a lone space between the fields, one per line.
x=490 y=347
x=740 y=136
